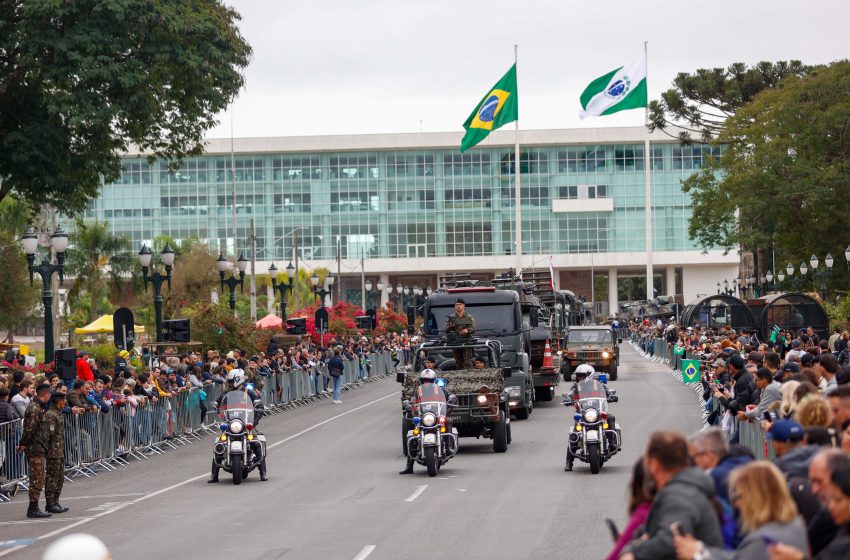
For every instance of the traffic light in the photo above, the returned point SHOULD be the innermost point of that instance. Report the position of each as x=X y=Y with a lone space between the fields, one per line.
x=176 y=330
x=297 y=325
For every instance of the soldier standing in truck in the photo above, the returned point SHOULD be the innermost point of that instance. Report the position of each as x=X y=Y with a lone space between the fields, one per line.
x=460 y=327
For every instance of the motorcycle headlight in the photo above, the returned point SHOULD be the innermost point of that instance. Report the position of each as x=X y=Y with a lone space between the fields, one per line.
x=429 y=419
x=514 y=392
x=236 y=426
x=591 y=415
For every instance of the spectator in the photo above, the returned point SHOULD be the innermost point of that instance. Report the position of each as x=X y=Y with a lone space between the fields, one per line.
x=839 y=402
x=814 y=411
x=826 y=367
x=767 y=511
x=792 y=456
x=769 y=393
x=7 y=411
x=684 y=494
x=24 y=397
x=710 y=451
x=84 y=371
x=640 y=500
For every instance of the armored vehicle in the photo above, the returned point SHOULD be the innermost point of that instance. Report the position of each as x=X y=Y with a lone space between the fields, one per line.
x=594 y=345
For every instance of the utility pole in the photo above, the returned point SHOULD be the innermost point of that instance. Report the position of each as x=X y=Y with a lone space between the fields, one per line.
x=362 y=280
x=295 y=287
x=338 y=269
x=253 y=273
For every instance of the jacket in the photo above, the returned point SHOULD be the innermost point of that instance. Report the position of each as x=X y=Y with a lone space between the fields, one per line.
x=745 y=391
x=688 y=499
x=7 y=412
x=84 y=371
x=75 y=399
x=720 y=473
x=839 y=548
x=769 y=395
x=795 y=463
x=34 y=436
x=753 y=547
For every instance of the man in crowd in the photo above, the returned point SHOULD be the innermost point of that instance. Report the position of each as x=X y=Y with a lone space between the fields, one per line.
x=768 y=394
x=24 y=397
x=710 y=451
x=826 y=366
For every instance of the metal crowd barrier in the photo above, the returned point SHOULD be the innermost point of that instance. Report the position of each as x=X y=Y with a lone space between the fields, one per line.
x=103 y=441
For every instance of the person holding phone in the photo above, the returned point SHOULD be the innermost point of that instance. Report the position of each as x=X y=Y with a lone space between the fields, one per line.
x=768 y=515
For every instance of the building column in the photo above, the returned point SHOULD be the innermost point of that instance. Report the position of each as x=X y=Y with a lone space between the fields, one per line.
x=613 y=303
x=385 y=296
x=671 y=280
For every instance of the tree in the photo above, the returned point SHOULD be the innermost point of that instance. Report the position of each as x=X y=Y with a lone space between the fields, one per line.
x=18 y=297
x=784 y=175
x=80 y=82
x=700 y=103
x=193 y=276
x=94 y=255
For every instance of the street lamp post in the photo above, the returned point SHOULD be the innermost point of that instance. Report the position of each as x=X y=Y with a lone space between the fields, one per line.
x=145 y=258
x=370 y=295
x=45 y=269
x=233 y=281
x=781 y=277
x=726 y=290
x=283 y=287
x=325 y=290
x=822 y=275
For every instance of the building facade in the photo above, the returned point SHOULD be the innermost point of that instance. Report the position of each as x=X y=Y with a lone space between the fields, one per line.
x=412 y=206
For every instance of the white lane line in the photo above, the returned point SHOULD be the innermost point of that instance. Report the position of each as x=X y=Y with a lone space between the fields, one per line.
x=189 y=481
x=48 y=520
x=363 y=554
x=131 y=494
x=416 y=493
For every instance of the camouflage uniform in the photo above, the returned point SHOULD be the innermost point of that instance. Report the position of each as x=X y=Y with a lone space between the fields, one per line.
x=55 y=475
x=454 y=326
x=35 y=439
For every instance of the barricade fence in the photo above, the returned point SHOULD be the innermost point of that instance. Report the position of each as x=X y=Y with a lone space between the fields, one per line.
x=747 y=433
x=105 y=440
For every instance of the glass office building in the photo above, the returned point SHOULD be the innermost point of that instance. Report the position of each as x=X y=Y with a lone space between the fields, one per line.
x=412 y=203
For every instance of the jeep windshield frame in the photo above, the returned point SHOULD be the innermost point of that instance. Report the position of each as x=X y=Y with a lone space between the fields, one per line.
x=496 y=317
x=590 y=336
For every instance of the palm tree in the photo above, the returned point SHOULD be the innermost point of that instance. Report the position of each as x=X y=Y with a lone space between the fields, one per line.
x=91 y=249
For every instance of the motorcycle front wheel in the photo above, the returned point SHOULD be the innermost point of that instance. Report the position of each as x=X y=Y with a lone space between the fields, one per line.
x=594 y=459
x=236 y=468
x=431 y=460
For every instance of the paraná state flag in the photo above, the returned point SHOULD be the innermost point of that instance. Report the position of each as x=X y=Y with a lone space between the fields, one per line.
x=496 y=109
x=621 y=89
x=690 y=371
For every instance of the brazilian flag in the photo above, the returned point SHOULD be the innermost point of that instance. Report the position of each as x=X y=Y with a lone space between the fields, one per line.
x=690 y=371
x=499 y=107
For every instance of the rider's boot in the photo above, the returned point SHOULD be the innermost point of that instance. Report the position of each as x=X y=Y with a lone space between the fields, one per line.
x=262 y=469
x=408 y=469
x=214 y=474
x=569 y=465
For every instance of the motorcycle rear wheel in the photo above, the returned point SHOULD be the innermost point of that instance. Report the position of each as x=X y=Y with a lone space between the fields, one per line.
x=431 y=460
x=236 y=468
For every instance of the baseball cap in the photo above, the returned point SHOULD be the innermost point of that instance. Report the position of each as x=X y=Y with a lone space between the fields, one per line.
x=718 y=363
x=785 y=431
x=793 y=367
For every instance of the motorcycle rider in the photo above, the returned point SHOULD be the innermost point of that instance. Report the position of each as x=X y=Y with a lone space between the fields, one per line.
x=583 y=373
x=426 y=376
x=236 y=382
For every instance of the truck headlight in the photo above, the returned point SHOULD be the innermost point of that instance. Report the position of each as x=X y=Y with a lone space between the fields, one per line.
x=606 y=354
x=514 y=392
x=482 y=399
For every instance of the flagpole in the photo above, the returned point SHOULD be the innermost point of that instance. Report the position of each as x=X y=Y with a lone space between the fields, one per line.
x=517 y=191
x=650 y=291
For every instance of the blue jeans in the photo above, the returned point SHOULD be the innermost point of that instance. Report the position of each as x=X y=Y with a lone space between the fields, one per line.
x=337 y=386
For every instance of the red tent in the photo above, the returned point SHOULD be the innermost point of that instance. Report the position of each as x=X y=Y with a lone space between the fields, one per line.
x=270 y=321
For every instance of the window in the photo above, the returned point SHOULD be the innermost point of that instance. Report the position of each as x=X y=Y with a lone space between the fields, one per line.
x=629 y=158
x=354 y=167
x=291 y=203
x=583 y=191
x=581 y=160
x=530 y=162
x=468 y=198
x=296 y=169
x=355 y=201
x=476 y=163
x=469 y=238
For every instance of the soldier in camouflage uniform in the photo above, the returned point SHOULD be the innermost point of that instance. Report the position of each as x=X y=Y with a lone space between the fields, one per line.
x=459 y=328
x=34 y=443
x=55 y=476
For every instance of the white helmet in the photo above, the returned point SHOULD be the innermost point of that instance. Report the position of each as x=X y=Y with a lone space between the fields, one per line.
x=585 y=369
x=235 y=378
x=427 y=375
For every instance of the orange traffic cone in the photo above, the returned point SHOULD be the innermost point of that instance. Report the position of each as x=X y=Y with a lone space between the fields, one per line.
x=547 y=356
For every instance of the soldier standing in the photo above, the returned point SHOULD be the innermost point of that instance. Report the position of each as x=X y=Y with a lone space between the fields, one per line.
x=460 y=326
x=34 y=444
x=55 y=476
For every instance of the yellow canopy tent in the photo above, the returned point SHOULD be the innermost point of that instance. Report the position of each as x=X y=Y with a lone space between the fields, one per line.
x=103 y=325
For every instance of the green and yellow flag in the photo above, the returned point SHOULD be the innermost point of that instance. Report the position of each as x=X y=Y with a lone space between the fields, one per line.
x=690 y=371
x=497 y=108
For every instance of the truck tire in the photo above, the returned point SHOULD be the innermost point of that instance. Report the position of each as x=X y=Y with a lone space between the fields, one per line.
x=594 y=458
x=500 y=435
x=522 y=413
x=567 y=372
x=612 y=371
x=544 y=395
x=508 y=430
x=431 y=461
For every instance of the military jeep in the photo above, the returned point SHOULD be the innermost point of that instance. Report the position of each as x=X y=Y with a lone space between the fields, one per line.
x=594 y=345
x=482 y=402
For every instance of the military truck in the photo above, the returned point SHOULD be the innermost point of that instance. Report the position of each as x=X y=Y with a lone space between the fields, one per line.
x=482 y=402
x=596 y=345
x=498 y=317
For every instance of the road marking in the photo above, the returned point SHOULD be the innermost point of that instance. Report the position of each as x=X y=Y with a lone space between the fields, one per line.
x=104 y=507
x=130 y=495
x=363 y=554
x=416 y=493
x=121 y=506
x=48 y=520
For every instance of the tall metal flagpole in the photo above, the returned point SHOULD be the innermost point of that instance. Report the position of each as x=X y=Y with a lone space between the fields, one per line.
x=648 y=186
x=517 y=190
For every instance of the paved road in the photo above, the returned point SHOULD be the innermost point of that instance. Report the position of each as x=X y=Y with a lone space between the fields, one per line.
x=334 y=493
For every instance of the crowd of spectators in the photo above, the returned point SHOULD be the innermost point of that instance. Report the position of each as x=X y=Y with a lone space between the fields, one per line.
x=706 y=497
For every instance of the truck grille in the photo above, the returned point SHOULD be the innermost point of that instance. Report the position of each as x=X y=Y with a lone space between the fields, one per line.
x=588 y=355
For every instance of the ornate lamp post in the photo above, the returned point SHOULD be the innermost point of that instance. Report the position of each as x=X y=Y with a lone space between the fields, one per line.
x=822 y=275
x=283 y=287
x=233 y=281
x=370 y=295
x=726 y=290
x=145 y=258
x=45 y=269
x=325 y=290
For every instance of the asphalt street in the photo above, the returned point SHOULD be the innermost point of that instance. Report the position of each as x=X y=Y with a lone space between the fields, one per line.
x=334 y=491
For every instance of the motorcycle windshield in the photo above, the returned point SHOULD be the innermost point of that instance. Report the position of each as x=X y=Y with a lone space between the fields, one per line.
x=429 y=398
x=591 y=394
x=237 y=406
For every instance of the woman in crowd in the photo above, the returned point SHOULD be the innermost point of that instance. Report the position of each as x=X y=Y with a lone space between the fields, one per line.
x=767 y=515
x=640 y=500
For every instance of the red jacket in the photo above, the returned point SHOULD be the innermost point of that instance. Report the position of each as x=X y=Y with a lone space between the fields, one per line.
x=84 y=371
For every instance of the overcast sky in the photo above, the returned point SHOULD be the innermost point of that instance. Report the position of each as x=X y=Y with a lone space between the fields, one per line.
x=373 y=66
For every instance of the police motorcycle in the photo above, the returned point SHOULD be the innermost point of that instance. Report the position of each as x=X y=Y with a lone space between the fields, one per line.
x=240 y=448
x=432 y=441
x=595 y=436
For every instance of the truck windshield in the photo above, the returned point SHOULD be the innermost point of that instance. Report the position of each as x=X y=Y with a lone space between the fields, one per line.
x=591 y=337
x=495 y=318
